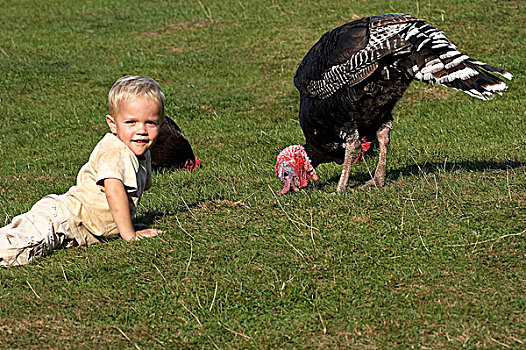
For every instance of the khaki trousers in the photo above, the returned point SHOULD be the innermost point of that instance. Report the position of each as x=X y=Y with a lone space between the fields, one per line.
x=44 y=228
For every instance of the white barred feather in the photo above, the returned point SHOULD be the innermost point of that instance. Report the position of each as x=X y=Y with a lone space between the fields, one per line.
x=462 y=74
x=444 y=64
x=456 y=62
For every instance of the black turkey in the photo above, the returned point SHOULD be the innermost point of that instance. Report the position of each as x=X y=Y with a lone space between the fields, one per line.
x=350 y=81
x=172 y=149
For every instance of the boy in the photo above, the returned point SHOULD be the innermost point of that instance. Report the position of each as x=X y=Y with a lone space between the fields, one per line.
x=108 y=188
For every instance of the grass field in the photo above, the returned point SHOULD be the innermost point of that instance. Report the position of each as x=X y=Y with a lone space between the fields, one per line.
x=435 y=259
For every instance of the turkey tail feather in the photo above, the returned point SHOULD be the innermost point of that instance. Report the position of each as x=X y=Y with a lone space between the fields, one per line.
x=437 y=60
x=465 y=74
x=490 y=68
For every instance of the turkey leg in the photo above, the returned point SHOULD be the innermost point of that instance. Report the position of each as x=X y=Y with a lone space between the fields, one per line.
x=383 y=139
x=353 y=148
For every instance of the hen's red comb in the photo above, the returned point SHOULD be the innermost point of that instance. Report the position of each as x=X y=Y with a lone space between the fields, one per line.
x=192 y=165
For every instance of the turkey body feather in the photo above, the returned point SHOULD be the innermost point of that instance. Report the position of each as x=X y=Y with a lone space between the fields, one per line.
x=172 y=149
x=352 y=78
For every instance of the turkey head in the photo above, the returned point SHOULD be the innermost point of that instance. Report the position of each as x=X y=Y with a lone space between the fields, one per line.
x=294 y=168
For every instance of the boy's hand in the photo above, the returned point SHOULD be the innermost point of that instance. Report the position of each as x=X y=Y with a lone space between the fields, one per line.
x=148 y=233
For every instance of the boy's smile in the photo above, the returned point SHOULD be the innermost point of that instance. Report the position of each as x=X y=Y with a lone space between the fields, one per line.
x=136 y=124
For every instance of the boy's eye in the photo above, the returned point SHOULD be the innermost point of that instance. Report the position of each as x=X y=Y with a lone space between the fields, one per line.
x=130 y=122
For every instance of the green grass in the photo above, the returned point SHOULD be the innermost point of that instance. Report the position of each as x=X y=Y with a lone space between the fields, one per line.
x=435 y=259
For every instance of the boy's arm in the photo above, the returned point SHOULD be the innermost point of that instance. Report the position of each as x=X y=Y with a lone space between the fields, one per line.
x=120 y=210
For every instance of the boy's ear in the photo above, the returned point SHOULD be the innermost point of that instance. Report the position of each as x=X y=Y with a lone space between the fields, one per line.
x=111 y=124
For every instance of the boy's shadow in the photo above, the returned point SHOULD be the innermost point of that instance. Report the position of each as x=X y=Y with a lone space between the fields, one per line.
x=428 y=168
x=146 y=219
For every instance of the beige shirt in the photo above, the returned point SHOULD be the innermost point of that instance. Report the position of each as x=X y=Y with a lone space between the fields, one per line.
x=111 y=158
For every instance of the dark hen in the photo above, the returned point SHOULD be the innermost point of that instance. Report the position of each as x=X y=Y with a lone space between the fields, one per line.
x=351 y=79
x=172 y=149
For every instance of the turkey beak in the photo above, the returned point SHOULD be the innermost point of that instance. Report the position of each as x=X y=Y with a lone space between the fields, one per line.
x=286 y=186
x=291 y=184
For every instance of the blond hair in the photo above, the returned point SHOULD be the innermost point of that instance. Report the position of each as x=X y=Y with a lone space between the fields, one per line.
x=130 y=87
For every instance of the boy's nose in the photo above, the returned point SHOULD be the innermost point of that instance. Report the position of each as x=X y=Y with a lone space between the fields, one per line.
x=141 y=128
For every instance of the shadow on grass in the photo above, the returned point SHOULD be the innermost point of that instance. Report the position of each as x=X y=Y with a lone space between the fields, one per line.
x=146 y=219
x=429 y=168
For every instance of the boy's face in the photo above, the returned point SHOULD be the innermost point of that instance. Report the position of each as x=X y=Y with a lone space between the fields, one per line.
x=136 y=124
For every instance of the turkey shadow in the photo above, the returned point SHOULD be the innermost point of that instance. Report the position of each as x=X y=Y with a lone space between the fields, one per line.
x=426 y=168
